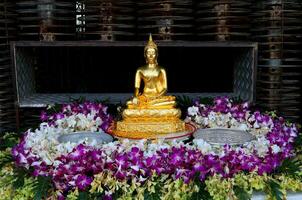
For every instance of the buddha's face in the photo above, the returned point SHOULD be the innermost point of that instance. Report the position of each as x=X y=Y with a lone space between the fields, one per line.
x=151 y=55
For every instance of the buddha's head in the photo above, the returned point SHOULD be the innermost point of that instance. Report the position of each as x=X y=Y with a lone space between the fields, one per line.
x=151 y=52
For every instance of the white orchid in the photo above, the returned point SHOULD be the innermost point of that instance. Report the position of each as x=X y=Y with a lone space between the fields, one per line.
x=202 y=145
x=193 y=111
x=276 y=149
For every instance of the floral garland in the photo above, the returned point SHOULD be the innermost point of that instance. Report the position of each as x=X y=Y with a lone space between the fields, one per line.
x=274 y=138
x=43 y=142
x=141 y=166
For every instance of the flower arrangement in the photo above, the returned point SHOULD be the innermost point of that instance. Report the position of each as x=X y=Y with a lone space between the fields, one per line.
x=274 y=137
x=79 y=117
x=161 y=169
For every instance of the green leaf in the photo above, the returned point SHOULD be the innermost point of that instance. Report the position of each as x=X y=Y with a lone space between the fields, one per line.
x=202 y=194
x=118 y=193
x=291 y=167
x=79 y=100
x=206 y=100
x=51 y=109
x=298 y=140
x=157 y=191
x=274 y=189
x=184 y=101
x=116 y=110
x=237 y=100
x=96 y=195
x=8 y=140
x=83 y=196
x=151 y=196
x=154 y=196
x=241 y=194
x=20 y=175
x=5 y=159
x=41 y=187
x=298 y=143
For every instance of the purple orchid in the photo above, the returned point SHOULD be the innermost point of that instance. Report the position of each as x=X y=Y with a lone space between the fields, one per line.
x=82 y=182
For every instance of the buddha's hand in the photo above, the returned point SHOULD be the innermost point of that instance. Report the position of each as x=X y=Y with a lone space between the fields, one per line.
x=135 y=100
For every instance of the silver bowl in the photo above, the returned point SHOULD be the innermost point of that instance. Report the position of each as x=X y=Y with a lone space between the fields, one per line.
x=99 y=137
x=222 y=136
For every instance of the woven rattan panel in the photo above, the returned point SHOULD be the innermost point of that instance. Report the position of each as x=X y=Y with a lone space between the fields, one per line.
x=245 y=75
x=7 y=31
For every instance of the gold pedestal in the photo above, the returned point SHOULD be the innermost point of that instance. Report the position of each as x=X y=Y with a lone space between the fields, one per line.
x=183 y=134
x=151 y=114
x=156 y=127
x=149 y=123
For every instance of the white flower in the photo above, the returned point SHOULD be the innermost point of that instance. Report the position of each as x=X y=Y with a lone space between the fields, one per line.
x=233 y=122
x=276 y=149
x=202 y=106
x=156 y=146
x=256 y=125
x=212 y=116
x=142 y=179
x=141 y=144
x=109 y=147
x=193 y=111
x=71 y=121
x=46 y=157
x=202 y=145
x=135 y=167
x=261 y=146
x=205 y=121
x=56 y=163
x=69 y=146
x=199 y=119
x=36 y=163
x=243 y=127
x=187 y=119
x=93 y=129
x=108 y=193
x=251 y=118
x=226 y=169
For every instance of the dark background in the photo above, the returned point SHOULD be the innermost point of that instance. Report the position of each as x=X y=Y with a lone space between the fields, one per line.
x=112 y=69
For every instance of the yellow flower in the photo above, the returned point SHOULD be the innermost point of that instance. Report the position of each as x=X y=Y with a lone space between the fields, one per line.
x=257 y=182
x=73 y=195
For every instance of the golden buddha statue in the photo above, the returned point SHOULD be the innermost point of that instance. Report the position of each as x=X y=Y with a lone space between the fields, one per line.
x=150 y=111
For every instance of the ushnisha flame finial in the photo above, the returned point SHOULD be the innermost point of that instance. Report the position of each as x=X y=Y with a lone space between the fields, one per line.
x=151 y=44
